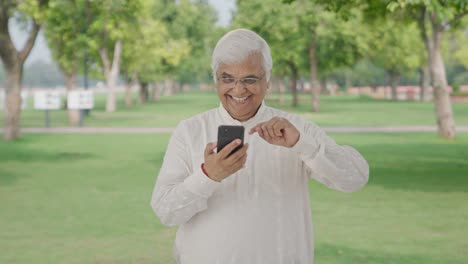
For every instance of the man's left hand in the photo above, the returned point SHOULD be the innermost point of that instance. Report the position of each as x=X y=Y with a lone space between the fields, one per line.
x=277 y=131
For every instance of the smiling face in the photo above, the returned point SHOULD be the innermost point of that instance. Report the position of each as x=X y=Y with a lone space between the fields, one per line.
x=242 y=99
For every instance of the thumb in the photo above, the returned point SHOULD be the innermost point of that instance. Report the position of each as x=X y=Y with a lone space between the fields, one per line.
x=209 y=149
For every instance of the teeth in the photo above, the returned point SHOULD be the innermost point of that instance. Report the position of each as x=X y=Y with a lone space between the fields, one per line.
x=239 y=99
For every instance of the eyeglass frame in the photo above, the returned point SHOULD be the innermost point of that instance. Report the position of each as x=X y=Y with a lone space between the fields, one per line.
x=241 y=80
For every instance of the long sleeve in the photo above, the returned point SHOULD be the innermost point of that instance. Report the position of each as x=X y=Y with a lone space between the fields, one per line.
x=339 y=167
x=180 y=191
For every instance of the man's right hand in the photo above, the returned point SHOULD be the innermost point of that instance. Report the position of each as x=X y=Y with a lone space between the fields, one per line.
x=219 y=166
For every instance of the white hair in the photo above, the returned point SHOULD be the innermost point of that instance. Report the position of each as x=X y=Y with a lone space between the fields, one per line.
x=235 y=46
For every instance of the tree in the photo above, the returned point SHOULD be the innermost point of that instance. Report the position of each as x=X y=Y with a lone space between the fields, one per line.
x=396 y=48
x=65 y=33
x=334 y=43
x=277 y=23
x=110 y=21
x=455 y=54
x=32 y=12
x=304 y=37
x=150 y=49
x=195 y=22
x=435 y=18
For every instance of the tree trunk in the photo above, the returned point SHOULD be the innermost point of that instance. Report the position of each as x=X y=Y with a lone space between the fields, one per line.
x=323 y=86
x=347 y=79
x=169 y=86
x=128 y=94
x=293 y=83
x=144 y=93
x=73 y=114
x=12 y=109
x=156 y=92
x=111 y=72
x=394 y=80
x=425 y=70
x=274 y=86
x=186 y=87
x=300 y=84
x=432 y=39
x=130 y=82
x=314 y=83
x=282 y=90
x=443 y=105
x=424 y=82
x=13 y=61
x=177 y=87
x=111 y=100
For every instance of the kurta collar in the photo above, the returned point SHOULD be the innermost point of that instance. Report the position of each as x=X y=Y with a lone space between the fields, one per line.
x=227 y=118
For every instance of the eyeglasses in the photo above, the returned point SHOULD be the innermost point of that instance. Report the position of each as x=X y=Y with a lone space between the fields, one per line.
x=230 y=82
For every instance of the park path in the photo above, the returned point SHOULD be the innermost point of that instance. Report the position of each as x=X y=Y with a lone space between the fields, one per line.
x=159 y=130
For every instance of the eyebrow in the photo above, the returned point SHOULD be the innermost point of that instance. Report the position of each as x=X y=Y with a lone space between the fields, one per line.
x=225 y=74
x=252 y=76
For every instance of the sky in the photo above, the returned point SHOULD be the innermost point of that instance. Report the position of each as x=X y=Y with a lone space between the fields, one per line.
x=42 y=52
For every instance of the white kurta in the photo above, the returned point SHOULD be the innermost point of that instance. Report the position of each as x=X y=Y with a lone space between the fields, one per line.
x=260 y=214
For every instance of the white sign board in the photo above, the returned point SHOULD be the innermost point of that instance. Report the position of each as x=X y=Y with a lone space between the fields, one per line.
x=47 y=100
x=83 y=99
x=24 y=100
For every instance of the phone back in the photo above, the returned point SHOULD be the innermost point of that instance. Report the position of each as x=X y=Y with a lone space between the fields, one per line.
x=226 y=134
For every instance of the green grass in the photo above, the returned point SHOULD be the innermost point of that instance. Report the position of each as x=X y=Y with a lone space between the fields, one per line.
x=85 y=199
x=344 y=110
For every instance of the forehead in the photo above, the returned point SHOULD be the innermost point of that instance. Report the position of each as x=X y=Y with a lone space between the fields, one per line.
x=251 y=65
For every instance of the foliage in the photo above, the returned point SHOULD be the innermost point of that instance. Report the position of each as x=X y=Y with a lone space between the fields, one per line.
x=290 y=28
x=66 y=33
x=278 y=24
x=109 y=21
x=396 y=47
x=149 y=47
x=194 y=24
x=365 y=73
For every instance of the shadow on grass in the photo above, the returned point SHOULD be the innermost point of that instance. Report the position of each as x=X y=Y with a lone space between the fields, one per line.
x=328 y=253
x=427 y=167
x=25 y=154
x=21 y=151
x=7 y=177
x=18 y=152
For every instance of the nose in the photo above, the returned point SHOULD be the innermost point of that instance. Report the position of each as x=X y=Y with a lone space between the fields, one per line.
x=239 y=86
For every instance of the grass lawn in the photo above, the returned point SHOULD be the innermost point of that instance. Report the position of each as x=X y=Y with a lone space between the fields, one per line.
x=85 y=199
x=342 y=110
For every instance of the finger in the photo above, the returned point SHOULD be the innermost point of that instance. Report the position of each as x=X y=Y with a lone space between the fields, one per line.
x=241 y=163
x=210 y=147
x=238 y=155
x=255 y=128
x=260 y=132
x=271 y=130
x=278 y=127
x=266 y=134
x=229 y=148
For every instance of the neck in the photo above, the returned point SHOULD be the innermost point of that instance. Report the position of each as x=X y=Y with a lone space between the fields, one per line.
x=243 y=119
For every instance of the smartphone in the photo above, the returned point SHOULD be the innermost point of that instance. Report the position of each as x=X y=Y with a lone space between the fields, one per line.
x=227 y=134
